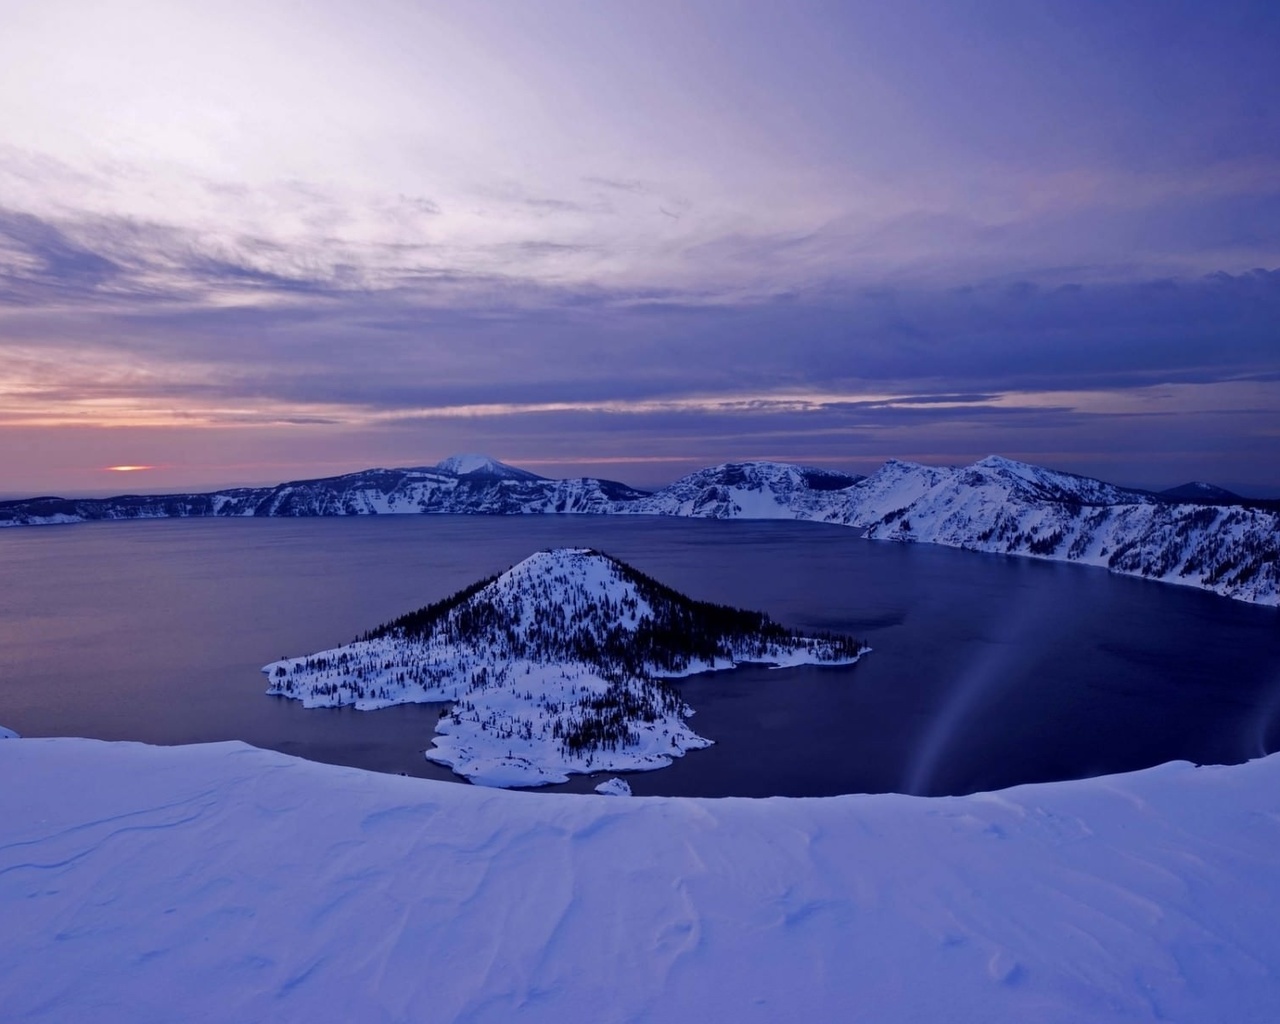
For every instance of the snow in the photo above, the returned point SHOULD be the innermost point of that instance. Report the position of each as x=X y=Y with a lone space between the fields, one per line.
x=220 y=882
x=7 y=734
x=614 y=787
x=481 y=740
x=996 y=505
x=520 y=691
x=465 y=465
x=735 y=490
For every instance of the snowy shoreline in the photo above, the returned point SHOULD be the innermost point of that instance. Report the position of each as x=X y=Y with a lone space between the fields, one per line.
x=222 y=882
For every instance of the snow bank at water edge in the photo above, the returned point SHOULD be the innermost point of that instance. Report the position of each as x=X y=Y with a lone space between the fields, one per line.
x=216 y=883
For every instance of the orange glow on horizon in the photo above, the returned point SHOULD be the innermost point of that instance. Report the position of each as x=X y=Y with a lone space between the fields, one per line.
x=127 y=469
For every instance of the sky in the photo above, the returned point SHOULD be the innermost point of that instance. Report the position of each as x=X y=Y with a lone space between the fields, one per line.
x=244 y=242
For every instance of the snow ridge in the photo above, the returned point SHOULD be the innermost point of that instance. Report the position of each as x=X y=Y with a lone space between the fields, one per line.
x=1005 y=507
x=461 y=484
x=748 y=490
x=1216 y=542
x=553 y=667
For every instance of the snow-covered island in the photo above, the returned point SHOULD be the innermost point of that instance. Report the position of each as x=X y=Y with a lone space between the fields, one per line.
x=554 y=667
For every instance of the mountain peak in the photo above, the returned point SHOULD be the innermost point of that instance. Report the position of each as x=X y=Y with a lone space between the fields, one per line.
x=1198 y=490
x=470 y=464
x=1002 y=462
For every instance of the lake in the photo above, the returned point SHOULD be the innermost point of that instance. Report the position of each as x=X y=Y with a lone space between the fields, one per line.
x=986 y=671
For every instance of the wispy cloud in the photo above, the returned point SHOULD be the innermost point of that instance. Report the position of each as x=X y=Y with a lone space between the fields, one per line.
x=807 y=228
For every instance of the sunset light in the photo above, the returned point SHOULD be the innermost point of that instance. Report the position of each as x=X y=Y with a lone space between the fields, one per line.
x=629 y=362
x=826 y=234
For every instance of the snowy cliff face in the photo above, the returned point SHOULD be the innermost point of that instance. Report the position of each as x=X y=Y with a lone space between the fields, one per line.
x=748 y=490
x=998 y=505
x=553 y=667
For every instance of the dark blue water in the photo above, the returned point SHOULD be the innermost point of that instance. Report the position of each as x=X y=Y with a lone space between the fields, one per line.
x=986 y=671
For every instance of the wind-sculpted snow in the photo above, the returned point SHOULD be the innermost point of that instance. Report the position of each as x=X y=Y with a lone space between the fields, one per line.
x=209 y=883
x=553 y=668
x=1225 y=545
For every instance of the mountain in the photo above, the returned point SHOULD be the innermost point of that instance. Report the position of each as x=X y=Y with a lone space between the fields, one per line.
x=997 y=504
x=466 y=484
x=483 y=466
x=1202 y=493
x=892 y=487
x=747 y=490
x=553 y=667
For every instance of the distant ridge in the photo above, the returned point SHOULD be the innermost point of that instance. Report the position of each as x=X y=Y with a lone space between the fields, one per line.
x=1202 y=492
x=1205 y=537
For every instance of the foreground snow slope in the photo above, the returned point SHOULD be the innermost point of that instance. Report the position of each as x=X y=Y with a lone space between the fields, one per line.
x=225 y=883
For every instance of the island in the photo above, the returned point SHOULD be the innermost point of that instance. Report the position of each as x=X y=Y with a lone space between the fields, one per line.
x=555 y=667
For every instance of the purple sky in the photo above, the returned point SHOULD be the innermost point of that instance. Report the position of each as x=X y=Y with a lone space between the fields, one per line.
x=248 y=241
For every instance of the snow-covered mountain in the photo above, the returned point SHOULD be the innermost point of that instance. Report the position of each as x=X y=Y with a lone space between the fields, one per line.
x=553 y=668
x=893 y=486
x=998 y=505
x=1227 y=545
x=747 y=490
x=463 y=484
x=474 y=488
x=483 y=465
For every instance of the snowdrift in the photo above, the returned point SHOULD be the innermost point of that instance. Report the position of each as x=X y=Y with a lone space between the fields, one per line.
x=221 y=882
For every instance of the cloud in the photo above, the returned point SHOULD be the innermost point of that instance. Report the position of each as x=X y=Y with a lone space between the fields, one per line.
x=39 y=259
x=399 y=327
x=816 y=226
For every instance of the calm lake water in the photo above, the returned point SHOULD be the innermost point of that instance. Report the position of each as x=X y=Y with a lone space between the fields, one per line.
x=986 y=671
